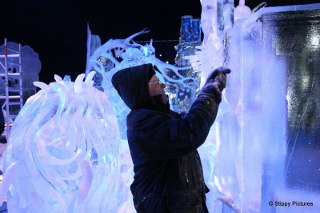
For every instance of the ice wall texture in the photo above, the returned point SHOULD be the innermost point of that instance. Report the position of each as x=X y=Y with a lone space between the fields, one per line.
x=264 y=145
x=63 y=151
x=298 y=43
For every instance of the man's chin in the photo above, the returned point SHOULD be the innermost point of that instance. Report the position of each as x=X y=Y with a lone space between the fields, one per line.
x=165 y=98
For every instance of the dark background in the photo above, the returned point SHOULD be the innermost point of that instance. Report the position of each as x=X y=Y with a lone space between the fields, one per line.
x=57 y=29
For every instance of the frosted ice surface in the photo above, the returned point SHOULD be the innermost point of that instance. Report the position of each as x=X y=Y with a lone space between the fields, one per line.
x=249 y=149
x=63 y=152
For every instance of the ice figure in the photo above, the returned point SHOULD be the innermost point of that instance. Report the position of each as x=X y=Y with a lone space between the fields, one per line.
x=63 y=151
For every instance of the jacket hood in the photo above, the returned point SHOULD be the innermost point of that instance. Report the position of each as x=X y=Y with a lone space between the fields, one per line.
x=132 y=86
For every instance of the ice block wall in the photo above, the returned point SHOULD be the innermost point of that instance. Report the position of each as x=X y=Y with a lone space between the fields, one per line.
x=266 y=137
x=295 y=40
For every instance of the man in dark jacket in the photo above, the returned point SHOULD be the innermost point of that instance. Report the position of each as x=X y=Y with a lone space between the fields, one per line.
x=168 y=175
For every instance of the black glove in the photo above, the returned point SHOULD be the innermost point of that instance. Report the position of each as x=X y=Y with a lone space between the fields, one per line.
x=215 y=84
x=219 y=77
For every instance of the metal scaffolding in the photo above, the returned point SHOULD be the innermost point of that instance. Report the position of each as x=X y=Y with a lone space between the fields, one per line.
x=10 y=72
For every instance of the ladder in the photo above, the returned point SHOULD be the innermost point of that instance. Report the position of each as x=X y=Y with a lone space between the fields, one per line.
x=10 y=71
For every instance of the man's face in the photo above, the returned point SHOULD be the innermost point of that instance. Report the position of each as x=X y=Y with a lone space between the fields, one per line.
x=157 y=88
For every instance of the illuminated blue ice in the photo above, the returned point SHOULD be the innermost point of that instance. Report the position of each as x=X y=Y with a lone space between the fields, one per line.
x=247 y=154
x=63 y=152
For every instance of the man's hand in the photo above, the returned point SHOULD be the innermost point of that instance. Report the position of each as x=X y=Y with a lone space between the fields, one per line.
x=219 y=78
x=215 y=84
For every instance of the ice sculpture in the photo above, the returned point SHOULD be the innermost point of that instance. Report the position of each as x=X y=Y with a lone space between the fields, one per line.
x=117 y=54
x=190 y=38
x=248 y=156
x=216 y=51
x=63 y=151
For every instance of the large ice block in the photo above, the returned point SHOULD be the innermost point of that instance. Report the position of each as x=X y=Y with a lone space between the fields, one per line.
x=266 y=136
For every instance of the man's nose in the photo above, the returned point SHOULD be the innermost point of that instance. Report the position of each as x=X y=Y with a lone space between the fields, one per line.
x=163 y=85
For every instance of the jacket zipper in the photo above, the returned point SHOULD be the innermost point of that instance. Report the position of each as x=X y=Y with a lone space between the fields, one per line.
x=186 y=175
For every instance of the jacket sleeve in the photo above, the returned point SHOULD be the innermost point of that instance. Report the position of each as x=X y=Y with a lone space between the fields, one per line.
x=169 y=137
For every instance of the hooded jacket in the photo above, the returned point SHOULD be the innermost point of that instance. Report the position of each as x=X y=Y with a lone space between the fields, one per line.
x=168 y=175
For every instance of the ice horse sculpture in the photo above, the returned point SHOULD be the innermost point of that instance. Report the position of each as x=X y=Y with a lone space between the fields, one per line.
x=63 y=151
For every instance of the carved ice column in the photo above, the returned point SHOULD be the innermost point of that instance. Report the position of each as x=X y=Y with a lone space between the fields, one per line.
x=220 y=152
x=190 y=37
